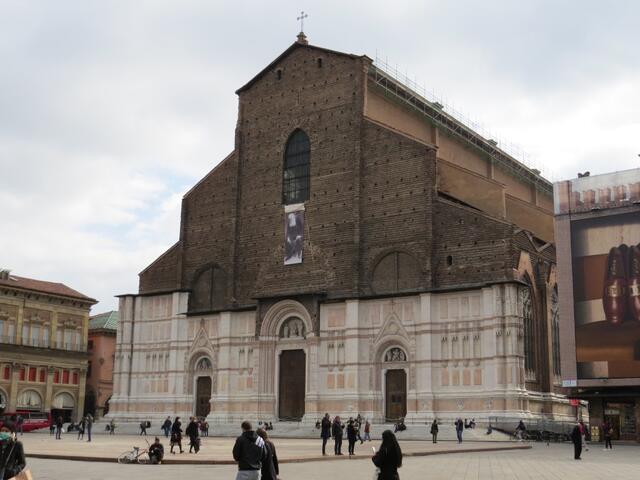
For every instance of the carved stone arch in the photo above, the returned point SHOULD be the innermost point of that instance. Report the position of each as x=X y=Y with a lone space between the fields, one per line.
x=392 y=328
x=196 y=357
x=279 y=313
x=208 y=286
x=395 y=270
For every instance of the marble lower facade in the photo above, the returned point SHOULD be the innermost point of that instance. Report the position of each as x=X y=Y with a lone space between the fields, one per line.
x=444 y=355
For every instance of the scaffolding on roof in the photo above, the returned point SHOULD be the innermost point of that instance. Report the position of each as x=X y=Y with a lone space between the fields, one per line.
x=406 y=90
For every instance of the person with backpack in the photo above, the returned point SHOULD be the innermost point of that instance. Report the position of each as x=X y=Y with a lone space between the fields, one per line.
x=166 y=427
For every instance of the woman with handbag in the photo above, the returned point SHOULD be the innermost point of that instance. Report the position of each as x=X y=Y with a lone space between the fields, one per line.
x=12 y=461
x=389 y=457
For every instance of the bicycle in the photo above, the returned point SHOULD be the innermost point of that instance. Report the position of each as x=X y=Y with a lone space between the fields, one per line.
x=135 y=456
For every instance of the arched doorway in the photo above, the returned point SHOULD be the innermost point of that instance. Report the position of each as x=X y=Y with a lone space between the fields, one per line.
x=203 y=396
x=395 y=394
x=291 y=387
x=3 y=401
x=30 y=400
x=62 y=406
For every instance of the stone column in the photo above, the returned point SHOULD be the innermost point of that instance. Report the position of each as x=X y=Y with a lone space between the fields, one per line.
x=49 y=388
x=81 y=392
x=13 y=389
x=19 y=322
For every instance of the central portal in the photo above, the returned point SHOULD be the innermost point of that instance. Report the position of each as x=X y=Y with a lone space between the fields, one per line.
x=291 y=386
x=396 y=395
x=203 y=396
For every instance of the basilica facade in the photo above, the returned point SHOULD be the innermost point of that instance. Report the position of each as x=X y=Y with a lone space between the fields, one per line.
x=360 y=251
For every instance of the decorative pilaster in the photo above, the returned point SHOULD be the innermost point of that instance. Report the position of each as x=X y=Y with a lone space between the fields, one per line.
x=49 y=389
x=81 y=393
x=13 y=389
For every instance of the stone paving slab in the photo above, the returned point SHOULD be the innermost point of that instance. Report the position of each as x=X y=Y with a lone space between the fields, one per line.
x=539 y=463
x=218 y=449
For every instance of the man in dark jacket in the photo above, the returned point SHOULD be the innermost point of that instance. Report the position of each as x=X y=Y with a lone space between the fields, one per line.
x=156 y=452
x=576 y=438
x=192 y=433
x=459 y=428
x=336 y=432
x=249 y=452
x=325 y=431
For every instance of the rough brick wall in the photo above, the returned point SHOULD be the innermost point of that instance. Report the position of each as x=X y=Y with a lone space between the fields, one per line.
x=397 y=189
x=478 y=245
x=162 y=274
x=325 y=102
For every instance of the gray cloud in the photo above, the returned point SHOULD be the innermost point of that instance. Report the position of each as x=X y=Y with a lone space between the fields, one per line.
x=111 y=110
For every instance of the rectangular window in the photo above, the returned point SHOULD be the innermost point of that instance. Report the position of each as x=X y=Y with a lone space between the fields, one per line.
x=22 y=374
x=59 y=338
x=65 y=377
x=11 y=331
x=2 y=328
x=89 y=369
x=35 y=335
x=45 y=337
x=25 y=333
x=32 y=374
x=75 y=378
x=68 y=338
x=56 y=376
x=7 y=372
x=43 y=375
x=90 y=345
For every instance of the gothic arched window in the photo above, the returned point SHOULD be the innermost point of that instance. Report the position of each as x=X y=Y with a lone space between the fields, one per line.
x=529 y=340
x=295 y=178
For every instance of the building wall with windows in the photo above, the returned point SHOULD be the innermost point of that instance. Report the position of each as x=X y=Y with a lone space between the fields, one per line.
x=101 y=347
x=345 y=258
x=43 y=340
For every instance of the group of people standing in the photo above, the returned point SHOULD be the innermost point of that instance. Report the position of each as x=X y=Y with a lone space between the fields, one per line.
x=335 y=429
x=257 y=459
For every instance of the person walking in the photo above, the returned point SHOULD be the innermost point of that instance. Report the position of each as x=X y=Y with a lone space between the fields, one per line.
x=607 y=432
x=81 y=427
x=59 y=424
x=434 y=431
x=89 y=425
x=12 y=459
x=367 y=430
x=205 y=428
x=389 y=458
x=459 y=428
x=336 y=433
x=249 y=452
x=192 y=433
x=325 y=432
x=176 y=435
x=583 y=433
x=143 y=428
x=112 y=427
x=20 y=425
x=270 y=468
x=352 y=436
x=576 y=438
x=166 y=427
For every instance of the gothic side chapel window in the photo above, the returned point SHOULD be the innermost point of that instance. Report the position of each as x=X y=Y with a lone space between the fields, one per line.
x=529 y=341
x=395 y=355
x=295 y=178
x=555 y=330
x=293 y=328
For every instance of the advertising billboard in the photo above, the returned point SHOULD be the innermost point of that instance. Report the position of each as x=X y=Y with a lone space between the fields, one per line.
x=604 y=232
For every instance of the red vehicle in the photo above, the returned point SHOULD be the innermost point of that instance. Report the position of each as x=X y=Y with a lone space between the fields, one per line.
x=32 y=420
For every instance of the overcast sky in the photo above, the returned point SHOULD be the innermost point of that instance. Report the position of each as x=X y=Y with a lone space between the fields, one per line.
x=111 y=110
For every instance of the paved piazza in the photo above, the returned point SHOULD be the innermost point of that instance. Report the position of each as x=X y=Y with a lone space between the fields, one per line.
x=540 y=463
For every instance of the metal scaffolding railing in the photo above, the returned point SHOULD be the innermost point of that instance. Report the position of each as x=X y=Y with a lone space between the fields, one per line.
x=502 y=153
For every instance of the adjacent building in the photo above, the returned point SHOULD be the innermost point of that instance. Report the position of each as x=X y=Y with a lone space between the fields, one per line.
x=360 y=251
x=598 y=239
x=101 y=347
x=43 y=346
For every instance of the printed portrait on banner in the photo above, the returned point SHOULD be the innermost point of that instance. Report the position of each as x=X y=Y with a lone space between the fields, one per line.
x=293 y=237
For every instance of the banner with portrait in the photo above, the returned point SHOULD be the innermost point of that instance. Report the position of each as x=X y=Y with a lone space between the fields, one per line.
x=293 y=237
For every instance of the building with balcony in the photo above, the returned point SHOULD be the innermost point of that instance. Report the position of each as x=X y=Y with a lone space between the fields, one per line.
x=43 y=346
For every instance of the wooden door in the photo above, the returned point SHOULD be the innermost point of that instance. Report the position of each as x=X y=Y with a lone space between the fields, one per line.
x=203 y=396
x=291 y=388
x=395 y=395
